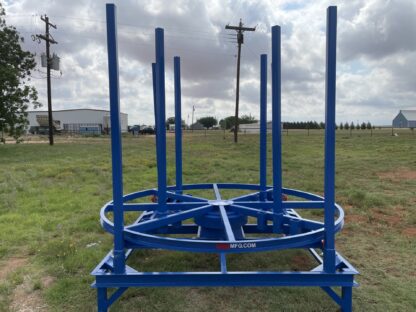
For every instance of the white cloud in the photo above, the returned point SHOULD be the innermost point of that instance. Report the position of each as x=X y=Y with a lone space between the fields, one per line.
x=376 y=53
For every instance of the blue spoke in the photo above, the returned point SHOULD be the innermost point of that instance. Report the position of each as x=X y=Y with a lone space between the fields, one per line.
x=286 y=204
x=216 y=191
x=306 y=223
x=154 y=206
x=188 y=198
x=168 y=219
x=248 y=196
x=244 y=197
x=251 y=212
x=227 y=225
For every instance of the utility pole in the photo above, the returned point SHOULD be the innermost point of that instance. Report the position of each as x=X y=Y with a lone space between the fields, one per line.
x=48 y=40
x=240 y=40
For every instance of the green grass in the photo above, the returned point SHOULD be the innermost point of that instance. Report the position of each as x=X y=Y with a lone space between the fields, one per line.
x=50 y=199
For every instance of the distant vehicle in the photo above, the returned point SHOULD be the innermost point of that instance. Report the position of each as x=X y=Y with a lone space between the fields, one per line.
x=134 y=129
x=147 y=130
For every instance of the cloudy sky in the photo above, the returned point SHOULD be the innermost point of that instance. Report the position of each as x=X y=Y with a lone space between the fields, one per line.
x=376 y=71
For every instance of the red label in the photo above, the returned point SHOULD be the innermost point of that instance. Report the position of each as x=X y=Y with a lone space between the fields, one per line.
x=222 y=246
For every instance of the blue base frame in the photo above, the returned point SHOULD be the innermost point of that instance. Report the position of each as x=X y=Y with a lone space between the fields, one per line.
x=343 y=278
x=296 y=232
x=220 y=225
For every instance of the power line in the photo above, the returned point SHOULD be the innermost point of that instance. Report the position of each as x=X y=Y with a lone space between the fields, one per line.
x=201 y=32
x=141 y=26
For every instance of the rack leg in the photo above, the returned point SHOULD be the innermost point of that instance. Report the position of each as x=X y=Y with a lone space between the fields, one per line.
x=346 y=299
x=102 y=299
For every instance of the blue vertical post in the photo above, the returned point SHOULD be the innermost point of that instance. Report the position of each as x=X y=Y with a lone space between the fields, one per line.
x=329 y=187
x=116 y=155
x=161 y=123
x=178 y=123
x=276 y=129
x=346 y=294
x=263 y=126
x=102 y=305
x=154 y=98
x=154 y=93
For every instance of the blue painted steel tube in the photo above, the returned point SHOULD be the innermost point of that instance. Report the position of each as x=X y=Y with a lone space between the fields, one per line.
x=117 y=166
x=102 y=299
x=154 y=98
x=329 y=187
x=263 y=126
x=160 y=124
x=178 y=123
x=212 y=279
x=276 y=128
x=154 y=93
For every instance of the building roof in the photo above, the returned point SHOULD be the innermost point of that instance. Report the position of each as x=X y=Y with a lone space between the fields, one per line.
x=74 y=109
x=410 y=114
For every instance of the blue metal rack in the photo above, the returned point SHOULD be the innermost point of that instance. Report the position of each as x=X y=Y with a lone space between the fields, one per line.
x=220 y=225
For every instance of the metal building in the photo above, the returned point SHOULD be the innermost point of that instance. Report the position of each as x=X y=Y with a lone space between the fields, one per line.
x=405 y=119
x=82 y=121
x=254 y=127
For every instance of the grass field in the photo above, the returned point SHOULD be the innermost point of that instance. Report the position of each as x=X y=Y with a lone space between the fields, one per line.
x=51 y=239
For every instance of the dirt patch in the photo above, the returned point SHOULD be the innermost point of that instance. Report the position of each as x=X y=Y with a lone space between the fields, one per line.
x=355 y=218
x=11 y=265
x=47 y=281
x=25 y=299
x=391 y=220
x=398 y=175
x=409 y=232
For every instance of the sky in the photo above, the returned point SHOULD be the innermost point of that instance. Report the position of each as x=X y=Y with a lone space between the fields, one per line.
x=376 y=55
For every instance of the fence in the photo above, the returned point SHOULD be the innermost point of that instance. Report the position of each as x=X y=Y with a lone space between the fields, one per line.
x=377 y=131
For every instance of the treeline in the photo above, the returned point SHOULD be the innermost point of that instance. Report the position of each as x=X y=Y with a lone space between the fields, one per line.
x=303 y=125
x=229 y=121
x=321 y=125
x=351 y=125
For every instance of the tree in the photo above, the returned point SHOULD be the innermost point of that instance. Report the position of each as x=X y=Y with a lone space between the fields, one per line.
x=15 y=92
x=208 y=122
x=224 y=123
x=346 y=126
x=352 y=125
x=341 y=126
x=368 y=125
x=171 y=121
x=363 y=126
x=229 y=123
x=246 y=119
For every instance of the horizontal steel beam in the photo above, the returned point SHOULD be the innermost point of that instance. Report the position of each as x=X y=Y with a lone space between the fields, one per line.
x=192 y=279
